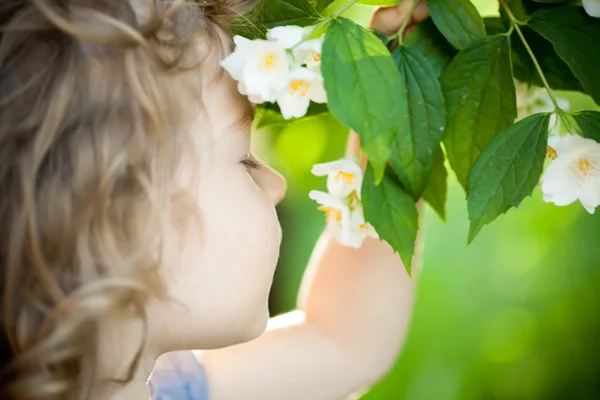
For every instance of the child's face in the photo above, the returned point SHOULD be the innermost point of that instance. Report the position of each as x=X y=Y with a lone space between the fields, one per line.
x=221 y=270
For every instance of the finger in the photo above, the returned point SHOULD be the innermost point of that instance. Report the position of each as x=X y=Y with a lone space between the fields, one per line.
x=421 y=12
x=353 y=149
x=389 y=19
x=353 y=145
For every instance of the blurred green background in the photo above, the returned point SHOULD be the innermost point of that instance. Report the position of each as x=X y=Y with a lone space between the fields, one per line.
x=516 y=315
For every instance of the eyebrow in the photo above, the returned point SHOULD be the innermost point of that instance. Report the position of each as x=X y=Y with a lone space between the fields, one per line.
x=247 y=117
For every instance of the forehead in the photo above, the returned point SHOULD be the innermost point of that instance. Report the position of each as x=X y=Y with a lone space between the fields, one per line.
x=226 y=108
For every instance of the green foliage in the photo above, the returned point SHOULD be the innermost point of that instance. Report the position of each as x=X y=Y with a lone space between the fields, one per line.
x=288 y=12
x=446 y=93
x=557 y=72
x=575 y=37
x=421 y=123
x=589 y=124
x=355 y=63
x=379 y=2
x=521 y=9
x=435 y=193
x=269 y=114
x=480 y=100
x=458 y=20
x=428 y=41
x=322 y=4
x=507 y=171
x=393 y=213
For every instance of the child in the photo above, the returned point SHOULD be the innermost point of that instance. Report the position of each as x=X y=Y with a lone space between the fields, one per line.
x=134 y=222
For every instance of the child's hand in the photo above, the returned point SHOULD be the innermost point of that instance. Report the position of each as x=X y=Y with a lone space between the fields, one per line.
x=389 y=19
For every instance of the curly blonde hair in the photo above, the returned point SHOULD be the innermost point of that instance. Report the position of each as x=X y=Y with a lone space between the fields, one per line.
x=92 y=126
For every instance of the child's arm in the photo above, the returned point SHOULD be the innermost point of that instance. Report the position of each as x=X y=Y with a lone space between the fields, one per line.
x=353 y=314
x=347 y=334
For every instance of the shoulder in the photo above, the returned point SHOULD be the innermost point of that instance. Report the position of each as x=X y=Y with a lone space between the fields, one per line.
x=178 y=375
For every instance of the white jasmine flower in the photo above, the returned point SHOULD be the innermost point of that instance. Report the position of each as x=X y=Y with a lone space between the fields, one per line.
x=574 y=173
x=261 y=67
x=286 y=36
x=592 y=7
x=343 y=177
x=309 y=54
x=235 y=62
x=337 y=215
x=304 y=86
x=348 y=226
x=360 y=229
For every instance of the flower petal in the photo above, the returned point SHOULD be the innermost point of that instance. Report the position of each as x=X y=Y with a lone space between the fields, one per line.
x=332 y=166
x=309 y=53
x=592 y=7
x=241 y=41
x=234 y=64
x=325 y=199
x=317 y=91
x=293 y=105
x=589 y=194
x=287 y=36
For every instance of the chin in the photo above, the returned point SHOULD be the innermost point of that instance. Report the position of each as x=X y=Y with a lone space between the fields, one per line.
x=242 y=327
x=251 y=328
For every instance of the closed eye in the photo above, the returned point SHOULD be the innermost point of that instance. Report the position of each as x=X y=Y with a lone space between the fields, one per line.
x=251 y=162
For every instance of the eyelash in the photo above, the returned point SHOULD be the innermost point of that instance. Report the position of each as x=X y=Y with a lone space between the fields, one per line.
x=251 y=162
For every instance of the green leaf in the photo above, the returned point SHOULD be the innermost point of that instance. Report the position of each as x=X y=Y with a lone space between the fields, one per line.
x=288 y=12
x=436 y=191
x=551 y=1
x=420 y=124
x=494 y=26
x=589 y=124
x=323 y=4
x=458 y=20
x=575 y=37
x=427 y=40
x=383 y=37
x=557 y=73
x=364 y=88
x=271 y=13
x=379 y=2
x=269 y=114
x=521 y=9
x=480 y=101
x=393 y=214
x=507 y=171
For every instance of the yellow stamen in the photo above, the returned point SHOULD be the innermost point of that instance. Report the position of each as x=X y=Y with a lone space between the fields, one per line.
x=585 y=169
x=551 y=153
x=299 y=86
x=316 y=56
x=331 y=214
x=269 y=61
x=347 y=177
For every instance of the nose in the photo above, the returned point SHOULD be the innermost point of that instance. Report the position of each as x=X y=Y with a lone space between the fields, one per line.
x=272 y=182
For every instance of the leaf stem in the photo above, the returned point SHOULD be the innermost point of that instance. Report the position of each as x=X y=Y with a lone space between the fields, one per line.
x=406 y=21
x=514 y=23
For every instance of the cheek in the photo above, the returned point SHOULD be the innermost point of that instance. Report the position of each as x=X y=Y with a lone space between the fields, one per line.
x=224 y=268
x=241 y=230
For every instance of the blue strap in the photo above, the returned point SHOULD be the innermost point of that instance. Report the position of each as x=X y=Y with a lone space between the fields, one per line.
x=178 y=376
